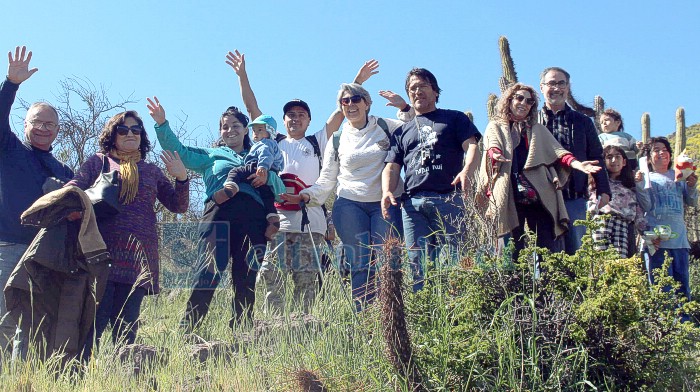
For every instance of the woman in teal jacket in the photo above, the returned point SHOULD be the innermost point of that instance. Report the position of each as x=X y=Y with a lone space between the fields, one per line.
x=239 y=221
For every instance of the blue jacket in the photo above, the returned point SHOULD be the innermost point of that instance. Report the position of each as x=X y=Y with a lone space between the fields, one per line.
x=266 y=153
x=585 y=146
x=23 y=170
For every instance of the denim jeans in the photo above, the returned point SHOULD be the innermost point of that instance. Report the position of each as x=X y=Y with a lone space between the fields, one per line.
x=120 y=306
x=362 y=229
x=429 y=223
x=10 y=254
x=576 y=209
x=678 y=268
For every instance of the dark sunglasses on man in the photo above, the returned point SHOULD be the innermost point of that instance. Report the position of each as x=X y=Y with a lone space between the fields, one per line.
x=123 y=130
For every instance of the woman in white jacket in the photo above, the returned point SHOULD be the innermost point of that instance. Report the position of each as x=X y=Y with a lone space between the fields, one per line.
x=354 y=162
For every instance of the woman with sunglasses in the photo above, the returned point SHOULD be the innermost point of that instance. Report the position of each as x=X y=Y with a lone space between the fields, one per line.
x=130 y=235
x=523 y=170
x=354 y=162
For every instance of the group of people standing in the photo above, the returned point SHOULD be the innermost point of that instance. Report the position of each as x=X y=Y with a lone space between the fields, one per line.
x=264 y=210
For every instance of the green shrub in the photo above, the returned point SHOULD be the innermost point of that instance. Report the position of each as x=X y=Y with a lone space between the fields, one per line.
x=588 y=321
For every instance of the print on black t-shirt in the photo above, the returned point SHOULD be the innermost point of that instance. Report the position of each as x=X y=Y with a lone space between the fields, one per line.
x=430 y=149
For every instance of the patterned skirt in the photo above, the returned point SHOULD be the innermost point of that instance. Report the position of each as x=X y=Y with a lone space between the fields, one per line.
x=613 y=232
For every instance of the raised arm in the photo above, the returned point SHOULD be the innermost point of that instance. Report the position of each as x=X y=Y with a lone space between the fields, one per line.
x=17 y=72
x=192 y=157
x=690 y=195
x=236 y=60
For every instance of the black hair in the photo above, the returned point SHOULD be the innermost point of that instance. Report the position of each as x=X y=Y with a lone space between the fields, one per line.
x=427 y=76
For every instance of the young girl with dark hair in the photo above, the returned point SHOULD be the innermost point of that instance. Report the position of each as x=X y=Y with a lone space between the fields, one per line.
x=617 y=231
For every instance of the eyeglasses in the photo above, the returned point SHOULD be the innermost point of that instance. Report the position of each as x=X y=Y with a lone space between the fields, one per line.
x=552 y=84
x=414 y=89
x=521 y=98
x=48 y=125
x=123 y=130
x=354 y=99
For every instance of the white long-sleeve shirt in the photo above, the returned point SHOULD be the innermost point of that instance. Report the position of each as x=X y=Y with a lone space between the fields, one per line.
x=358 y=171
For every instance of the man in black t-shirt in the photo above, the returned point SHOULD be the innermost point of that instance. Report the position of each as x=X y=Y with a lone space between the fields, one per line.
x=431 y=150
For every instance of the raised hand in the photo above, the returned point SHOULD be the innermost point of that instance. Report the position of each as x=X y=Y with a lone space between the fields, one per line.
x=156 y=111
x=18 y=69
x=236 y=60
x=394 y=99
x=638 y=176
x=368 y=69
x=174 y=165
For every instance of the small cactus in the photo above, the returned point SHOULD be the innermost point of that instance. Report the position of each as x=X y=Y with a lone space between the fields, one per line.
x=308 y=381
x=598 y=107
x=398 y=348
x=646 y=127
x=509 y=75
x=680 y=130
x=491 y=102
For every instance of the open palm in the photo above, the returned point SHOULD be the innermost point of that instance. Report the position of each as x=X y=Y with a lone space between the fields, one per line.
x=18 y=69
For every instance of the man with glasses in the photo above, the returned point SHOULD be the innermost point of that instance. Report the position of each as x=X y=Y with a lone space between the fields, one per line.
x=27 y=171
x=431 y=148
x=576 y=133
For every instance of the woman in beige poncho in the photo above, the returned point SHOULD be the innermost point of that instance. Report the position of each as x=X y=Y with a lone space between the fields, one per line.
x=523 y=170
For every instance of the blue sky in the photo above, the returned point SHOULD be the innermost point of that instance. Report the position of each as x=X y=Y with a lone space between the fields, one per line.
x=640 y=56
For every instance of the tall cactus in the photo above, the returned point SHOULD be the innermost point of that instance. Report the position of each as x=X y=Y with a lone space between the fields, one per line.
x=509 y=75
x=646 y=127
x=598 y=107
x=491 y=102
x=680 y=130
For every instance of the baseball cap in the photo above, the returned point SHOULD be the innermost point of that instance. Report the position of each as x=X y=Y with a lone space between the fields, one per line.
x=296 y=102
x=269 y=123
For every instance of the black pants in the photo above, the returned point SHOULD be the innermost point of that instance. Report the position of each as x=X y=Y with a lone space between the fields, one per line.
x=240 y=174
x=540 y=221
x=236 y=229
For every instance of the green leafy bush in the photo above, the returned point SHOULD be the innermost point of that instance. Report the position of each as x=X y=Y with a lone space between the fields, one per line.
x=587 y=321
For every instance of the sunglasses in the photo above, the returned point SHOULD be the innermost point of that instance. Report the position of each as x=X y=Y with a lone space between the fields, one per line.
x=521 y=98
x=354 y=99
x=123 y=130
